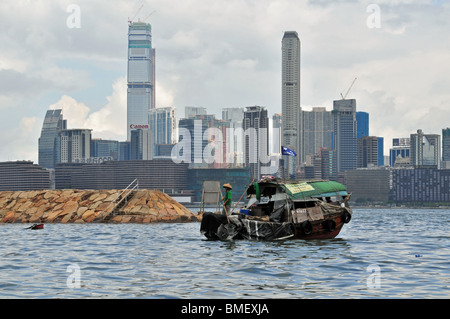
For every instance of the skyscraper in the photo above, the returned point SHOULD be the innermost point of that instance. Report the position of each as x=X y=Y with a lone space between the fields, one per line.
x=425 y=150
x=256 y=139
x=446 y=144
x=163 y=124
x=368 y=151
x=141 y=76
x=290 y=88
x=315 y=131
x=49 y=152
x=141 y=145
x=75 y=145
x=344 y=134
x=235 y=146
x=362 y=120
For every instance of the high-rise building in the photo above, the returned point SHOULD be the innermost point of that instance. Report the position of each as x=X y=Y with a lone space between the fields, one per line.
x=141 y=76
x=362 y=120
x=163 y=124
x=315 y=131
x=380 y=151
x=329 y=165
x=235 y=146
x=425 y=150
x=125 y=151
x=276 y=133
x=141 y=145
x=256 y=139
x=49 y=152
x=75 y=145
x=290 y=91
x=367 y=151
x=446 y=144
x=202 y=141
x=193 y=111
x=105 y=148
x=400 y=150
x=344 y=134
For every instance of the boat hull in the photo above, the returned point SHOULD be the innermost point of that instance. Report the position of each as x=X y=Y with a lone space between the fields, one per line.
x=219 y=227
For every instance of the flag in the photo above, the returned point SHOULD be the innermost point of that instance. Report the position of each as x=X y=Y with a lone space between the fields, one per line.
x=287 y=151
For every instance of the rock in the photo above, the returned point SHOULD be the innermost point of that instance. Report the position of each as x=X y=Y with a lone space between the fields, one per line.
x=52 y=216
x=9 y=217
x=80 y=211
x=80 y=206
x=86 y=214
x=67 y=218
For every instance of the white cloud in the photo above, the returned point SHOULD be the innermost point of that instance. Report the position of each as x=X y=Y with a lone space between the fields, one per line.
x=109 y=122
x=222 y=54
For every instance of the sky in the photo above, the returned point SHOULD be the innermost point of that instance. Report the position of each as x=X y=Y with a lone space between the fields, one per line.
x=221 y=53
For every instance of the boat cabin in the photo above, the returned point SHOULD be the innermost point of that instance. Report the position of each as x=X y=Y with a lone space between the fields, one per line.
x=266 y=197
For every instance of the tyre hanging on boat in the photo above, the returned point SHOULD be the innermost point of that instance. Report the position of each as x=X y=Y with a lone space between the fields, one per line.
x=329 y=225
x=307 y=227
x=347 y=217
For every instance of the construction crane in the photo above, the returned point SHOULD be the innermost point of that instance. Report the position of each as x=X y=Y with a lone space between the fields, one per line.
x=137 y=12
x=148 y=16
x=344 y=96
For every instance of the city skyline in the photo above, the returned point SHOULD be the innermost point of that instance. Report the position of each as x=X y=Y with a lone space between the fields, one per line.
x=224 y=55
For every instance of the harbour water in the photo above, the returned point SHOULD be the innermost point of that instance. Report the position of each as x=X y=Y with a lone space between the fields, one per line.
x=381 y=253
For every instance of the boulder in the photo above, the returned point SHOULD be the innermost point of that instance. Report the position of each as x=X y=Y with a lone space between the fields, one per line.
x=87 y=206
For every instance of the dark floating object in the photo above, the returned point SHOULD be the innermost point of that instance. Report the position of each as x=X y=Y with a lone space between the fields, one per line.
x=36 y=226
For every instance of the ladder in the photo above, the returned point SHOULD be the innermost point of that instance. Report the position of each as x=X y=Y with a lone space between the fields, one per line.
x=120 y=200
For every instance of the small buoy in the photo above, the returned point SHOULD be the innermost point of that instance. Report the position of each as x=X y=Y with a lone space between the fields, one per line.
x=36 y=226
x=419 y=255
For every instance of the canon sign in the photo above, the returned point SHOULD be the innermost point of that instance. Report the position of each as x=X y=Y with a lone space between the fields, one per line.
x=139 y=126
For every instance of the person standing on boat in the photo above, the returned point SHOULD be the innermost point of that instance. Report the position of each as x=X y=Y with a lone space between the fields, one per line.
x=227 y=199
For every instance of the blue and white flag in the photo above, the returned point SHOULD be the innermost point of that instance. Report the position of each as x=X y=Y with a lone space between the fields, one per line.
x=287 y=151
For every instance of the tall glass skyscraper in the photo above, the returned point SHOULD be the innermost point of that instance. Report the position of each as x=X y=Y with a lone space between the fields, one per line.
x=163 y=124
x=344 y=133
x=362 y=120
x=290 y=88
x=49 y=151
x=141 y=76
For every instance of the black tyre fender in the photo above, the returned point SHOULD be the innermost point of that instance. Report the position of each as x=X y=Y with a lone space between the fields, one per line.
x=329 y=225
x=306 y=227
x=347 y=217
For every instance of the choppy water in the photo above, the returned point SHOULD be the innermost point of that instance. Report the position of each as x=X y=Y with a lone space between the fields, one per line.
x=381 y=253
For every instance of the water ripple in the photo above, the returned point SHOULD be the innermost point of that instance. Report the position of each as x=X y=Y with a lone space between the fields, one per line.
x=409 y=247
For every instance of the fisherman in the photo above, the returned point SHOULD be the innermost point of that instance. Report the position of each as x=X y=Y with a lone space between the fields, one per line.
x=227 y=199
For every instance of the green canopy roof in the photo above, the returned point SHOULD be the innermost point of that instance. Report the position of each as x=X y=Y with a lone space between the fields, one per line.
x=302 y=190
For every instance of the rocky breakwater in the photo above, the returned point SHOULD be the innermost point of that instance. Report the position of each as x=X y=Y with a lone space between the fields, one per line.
x=91 y=206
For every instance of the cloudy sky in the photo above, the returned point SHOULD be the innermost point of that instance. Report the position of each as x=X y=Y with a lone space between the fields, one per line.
x=221 y=53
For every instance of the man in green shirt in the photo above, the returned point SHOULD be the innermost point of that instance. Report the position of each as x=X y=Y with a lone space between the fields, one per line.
x=227 y=199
